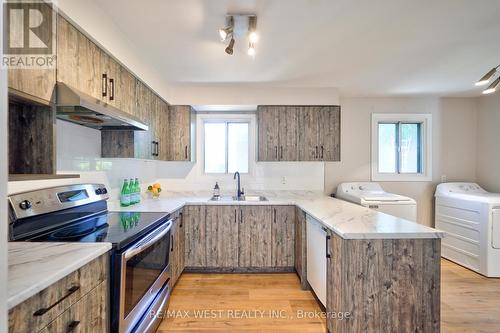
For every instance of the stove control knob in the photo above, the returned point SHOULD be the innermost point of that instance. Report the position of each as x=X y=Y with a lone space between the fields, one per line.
x=103 y=190
x=25 y=204
x=98 y=191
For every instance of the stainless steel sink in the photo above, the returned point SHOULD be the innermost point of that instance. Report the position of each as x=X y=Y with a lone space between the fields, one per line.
x=242 y=198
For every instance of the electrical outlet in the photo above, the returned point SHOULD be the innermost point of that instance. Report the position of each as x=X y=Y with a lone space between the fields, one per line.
x=283 y=180
x=443 y=179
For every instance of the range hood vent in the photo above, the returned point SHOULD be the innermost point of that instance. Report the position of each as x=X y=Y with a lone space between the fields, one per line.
x=79 y=108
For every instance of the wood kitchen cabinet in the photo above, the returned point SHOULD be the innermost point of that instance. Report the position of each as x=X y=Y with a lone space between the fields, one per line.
x=30 y=83
x=283 y=236
x=196 y=236
x=240 y=238
x=80 y=62
x=222 y=236
x=319 y=133
x=298 y=133
x=301 y=247
x=176 y=247
x=78 y=301
x=277 y=133
x=181 y=132
x=387 y=285
x=255 y=236
x=83 y=65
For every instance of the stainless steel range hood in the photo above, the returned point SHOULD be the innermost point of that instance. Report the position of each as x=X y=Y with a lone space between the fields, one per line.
x=79 y=108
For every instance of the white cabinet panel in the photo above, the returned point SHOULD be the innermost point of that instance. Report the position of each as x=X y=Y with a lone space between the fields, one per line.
x=316 y=258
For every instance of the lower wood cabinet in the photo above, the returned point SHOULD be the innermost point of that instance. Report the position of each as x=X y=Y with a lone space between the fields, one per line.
x=240 y=237
x=254 y=236
x=222 y=236
x=88 y=315
x=196 y=237
x=301 y=247
x=386 y=285
x=78 y=301
x=176 y=247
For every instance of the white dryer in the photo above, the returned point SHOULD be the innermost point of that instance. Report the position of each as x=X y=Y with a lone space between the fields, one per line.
x=470 y=216
x=372 y=195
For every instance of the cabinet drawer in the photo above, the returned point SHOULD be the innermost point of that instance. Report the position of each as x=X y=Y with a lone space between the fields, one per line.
x=89 y=314
x=38 y=311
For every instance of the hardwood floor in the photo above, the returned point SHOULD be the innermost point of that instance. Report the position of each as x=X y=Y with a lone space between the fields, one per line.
x=247 y=303
x=469 y=303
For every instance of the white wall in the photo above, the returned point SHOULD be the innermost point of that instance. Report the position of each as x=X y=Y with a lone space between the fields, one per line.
x=3 y=190
x=488 y=142
x=454 y=144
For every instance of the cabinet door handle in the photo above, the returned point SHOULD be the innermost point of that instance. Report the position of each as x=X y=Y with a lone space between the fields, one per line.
x=186 y=152
x=316 y=155
x=327 y=252
x=182 y=220
x=235 y=215
x=281 y=152
x=153 y=148
x=276 y=152
x=104 y=85
x=241 y=216
x=322 y=152
x=42 y=311
x=274 y=215
x=72 y=325
x=172 y=243
x=157 y=148
x=111 y=89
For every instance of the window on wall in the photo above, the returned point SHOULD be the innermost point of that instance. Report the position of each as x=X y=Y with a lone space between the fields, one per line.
x=226 y=146
x=401 y=147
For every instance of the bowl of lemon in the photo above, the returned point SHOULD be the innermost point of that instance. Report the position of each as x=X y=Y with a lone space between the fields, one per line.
x=154 y=190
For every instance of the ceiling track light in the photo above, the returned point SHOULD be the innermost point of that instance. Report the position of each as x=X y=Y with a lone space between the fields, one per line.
x=230 y=47
x=492 y=87
x=487 y=77
x=225 y=33
x=240 y=26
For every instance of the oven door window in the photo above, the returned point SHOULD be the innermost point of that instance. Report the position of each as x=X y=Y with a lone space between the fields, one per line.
x=143 y=269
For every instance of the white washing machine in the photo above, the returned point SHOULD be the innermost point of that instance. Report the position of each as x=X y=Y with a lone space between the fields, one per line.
x=470 y=216
x=372 y=195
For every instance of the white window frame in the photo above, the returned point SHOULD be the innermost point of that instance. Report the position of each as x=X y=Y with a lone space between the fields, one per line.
x=425 y=119
x=226 y=118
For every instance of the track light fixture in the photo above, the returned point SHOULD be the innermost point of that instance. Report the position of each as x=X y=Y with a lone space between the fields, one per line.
x=229 y=48
x=492 y=87
x=226 y=32
x=487 y=78
x=240 y=26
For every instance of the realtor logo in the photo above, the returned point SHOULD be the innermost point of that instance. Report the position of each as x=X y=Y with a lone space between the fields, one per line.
x=29 y=35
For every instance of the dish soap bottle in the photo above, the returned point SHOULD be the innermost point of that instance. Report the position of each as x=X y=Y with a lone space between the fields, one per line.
x=216 y=190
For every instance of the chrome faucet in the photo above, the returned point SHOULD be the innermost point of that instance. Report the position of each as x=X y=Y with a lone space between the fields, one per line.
x=240 y=192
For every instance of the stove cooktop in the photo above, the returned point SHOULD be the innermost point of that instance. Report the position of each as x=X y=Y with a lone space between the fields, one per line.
x=118 y=228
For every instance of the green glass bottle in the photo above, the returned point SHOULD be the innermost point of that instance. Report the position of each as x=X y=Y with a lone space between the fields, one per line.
x=125 y=194
x=131 y=191
x=137 y=191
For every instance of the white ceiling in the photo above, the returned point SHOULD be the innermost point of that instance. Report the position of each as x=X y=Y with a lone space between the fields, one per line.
x=377 y=47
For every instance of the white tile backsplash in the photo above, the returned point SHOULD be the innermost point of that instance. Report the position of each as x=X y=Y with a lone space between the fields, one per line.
x=79 y=151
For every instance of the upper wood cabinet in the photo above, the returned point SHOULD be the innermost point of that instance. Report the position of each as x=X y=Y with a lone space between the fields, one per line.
x=181 y=130
x=36 y=84
x=85 y=66
x=80 y=63
x=298 y=133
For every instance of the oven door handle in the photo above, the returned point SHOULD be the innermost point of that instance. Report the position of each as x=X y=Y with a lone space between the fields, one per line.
x=152 y=238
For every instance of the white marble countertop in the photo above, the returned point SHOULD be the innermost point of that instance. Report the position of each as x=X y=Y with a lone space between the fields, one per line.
x=35 y=266
x=346 y=219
